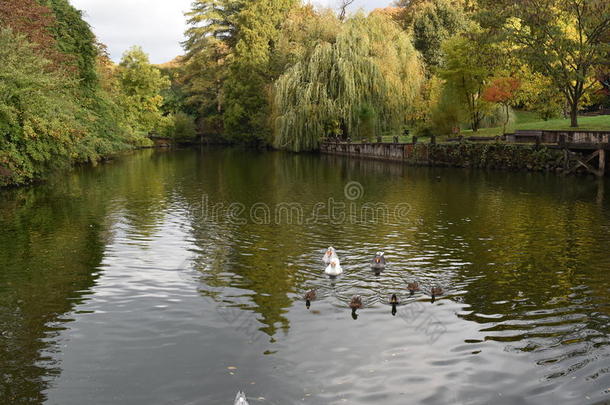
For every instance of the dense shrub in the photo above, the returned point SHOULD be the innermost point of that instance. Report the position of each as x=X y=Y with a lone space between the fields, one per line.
x=179 y=126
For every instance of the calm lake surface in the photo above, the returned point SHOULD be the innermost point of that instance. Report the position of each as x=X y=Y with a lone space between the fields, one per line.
x=177 y=278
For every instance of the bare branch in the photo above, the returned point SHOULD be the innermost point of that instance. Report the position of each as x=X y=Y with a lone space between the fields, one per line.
x=343 y=5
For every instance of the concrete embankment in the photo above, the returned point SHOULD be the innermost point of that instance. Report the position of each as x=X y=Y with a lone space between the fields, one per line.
x=493 y=155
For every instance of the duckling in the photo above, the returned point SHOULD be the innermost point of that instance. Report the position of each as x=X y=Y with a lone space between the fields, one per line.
x=330 y=254
x=394 y=301
x=334 y=268
x=413 y=287
x=378 y=262
x=436 y=291
x=355 y=304
x=309 y=296
x=240 y=399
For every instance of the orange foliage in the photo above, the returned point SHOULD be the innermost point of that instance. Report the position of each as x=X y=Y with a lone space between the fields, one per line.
x=34 y=21
x=502 y=90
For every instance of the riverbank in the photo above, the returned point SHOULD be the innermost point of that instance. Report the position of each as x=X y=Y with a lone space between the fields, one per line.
x=497 y=155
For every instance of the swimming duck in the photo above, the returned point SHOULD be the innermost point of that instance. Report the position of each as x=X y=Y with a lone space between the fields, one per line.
x=309 y=296
x=334 y=268
x=330 y=254
x=412 y=287
x=240 y=399
x=355 y=304
x=378 y=262
x=436 y=291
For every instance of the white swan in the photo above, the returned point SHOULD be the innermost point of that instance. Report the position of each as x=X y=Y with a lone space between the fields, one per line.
x=334 y=268
x=240 y=399
x=330 y=254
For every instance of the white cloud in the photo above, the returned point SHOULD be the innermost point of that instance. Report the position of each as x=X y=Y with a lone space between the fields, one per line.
x=156 y=25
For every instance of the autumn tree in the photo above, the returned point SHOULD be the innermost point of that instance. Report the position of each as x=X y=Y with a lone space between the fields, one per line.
x=503 y=91
x=74 y=37
x=35 y=21
x=303 y=29
x=412 y=8
x=561 y=39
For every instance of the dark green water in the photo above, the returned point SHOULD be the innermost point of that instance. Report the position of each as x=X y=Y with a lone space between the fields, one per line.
x=130 y=283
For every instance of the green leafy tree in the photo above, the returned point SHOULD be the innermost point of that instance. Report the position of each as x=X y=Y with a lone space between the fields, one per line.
x=538 y=94
x=434 y=22
x=75 y=38
x=39 y=116
x=470 y=61
x=303 y=29
x=180 y=127
x=211 y=19
x=362 y=80
x=211 y=39
x=248 y=84
x=204 y=75
x=141 y=84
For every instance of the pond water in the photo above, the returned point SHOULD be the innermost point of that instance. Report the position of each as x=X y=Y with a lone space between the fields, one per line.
x=177 y=277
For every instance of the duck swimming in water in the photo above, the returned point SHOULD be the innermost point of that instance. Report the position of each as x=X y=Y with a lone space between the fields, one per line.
x=355 y=304
x=435 y=292
x=378 y=262
x=334 y=268
x=413 y=287
x=330 y=254
x=240 y=399
x=309 y=296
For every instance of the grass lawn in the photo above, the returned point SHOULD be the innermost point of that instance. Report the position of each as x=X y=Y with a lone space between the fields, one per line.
x=601 y=123
x=528 y=120
x=524 y=120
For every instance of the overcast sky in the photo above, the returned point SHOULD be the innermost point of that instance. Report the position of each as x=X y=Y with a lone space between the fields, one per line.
x=156 y=25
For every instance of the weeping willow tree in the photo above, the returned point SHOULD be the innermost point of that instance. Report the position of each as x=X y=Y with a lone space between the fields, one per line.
x=362 y=83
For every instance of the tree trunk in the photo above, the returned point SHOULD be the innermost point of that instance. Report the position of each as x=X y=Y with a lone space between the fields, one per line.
x=574 y=114
x=476 y=121
x=507 y=119
x=344 y=130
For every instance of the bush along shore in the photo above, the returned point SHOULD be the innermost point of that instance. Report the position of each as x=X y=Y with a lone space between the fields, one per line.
x=464 y=155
